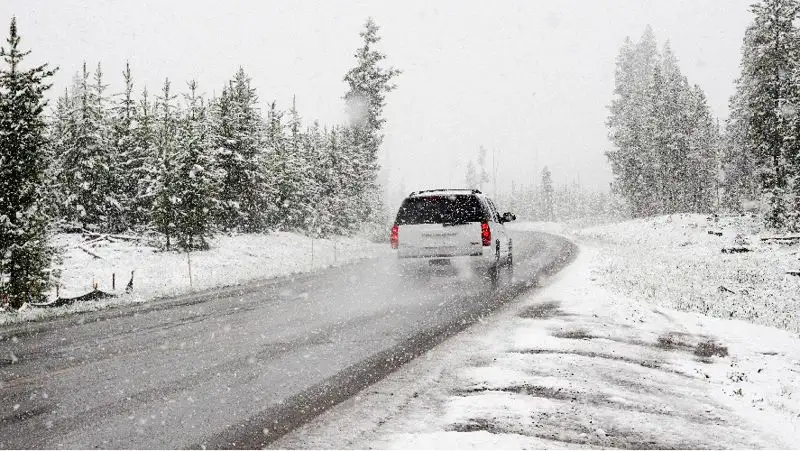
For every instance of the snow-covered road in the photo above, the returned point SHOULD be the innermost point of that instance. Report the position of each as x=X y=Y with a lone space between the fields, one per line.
x=235 y=367
x=574 y=365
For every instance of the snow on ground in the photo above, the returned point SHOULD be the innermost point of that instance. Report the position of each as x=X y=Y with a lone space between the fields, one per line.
x=231 y=260
x=674 y=261
x=583 y=363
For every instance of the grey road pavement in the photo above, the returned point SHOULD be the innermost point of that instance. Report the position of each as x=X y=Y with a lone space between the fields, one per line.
x=240 y=366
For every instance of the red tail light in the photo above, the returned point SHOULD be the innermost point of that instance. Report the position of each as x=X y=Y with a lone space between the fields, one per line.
x=394 y=240
x=486 y=234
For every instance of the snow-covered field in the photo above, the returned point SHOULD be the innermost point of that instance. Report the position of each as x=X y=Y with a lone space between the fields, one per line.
x=231 y=260
x=673 y=261
x=593 y=361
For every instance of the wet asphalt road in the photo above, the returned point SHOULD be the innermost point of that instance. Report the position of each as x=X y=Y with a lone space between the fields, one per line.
x=237 y=367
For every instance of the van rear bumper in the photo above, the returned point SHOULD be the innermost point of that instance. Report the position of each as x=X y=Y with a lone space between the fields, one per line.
x=476 y=264
x=438 y=252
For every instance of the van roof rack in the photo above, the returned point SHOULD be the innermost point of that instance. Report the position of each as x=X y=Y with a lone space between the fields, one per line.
x=473 y=191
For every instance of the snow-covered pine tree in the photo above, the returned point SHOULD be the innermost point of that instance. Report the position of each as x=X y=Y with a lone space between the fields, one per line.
x=671 y=147
x=143 y=163
x=739 y=169
x=768 y=91
x=547 y=193
x=657 y=131
x=276 y=167
x=25 y=249
x=483 y=174
x=350 y=167
x=72 y=157
x=665 y=140
x=315 y=206
x=701 y=188
x=790 y=111
x=110 y=208
x=165 y=194
x=336 y=188
x=295 y=178
x=368 y=83
x=328 y=184
x=85 y=161
x=471 y=176
x=124 y=161
x=237 y=133
x=197 y=178
x=631 y=126
x=59 y=139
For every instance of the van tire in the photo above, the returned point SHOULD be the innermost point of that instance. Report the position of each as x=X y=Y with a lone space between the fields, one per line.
x=494 y=274
x=494 y=269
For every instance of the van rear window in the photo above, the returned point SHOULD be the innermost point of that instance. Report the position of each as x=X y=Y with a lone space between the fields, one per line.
x=440 y=210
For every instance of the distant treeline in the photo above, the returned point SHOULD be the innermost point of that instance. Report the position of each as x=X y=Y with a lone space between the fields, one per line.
x=545 y=201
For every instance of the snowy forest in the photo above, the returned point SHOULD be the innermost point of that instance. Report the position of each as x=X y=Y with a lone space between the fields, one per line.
x=669 y=153
x=176 y=163
x=186 y=166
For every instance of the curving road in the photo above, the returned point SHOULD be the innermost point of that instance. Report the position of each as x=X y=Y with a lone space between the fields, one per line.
x=237 y=367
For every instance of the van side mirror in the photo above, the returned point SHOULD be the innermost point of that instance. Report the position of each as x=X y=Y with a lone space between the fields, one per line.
x=508 y=217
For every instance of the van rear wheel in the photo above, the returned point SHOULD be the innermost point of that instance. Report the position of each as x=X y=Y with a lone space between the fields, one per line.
x=494 y=269
x=494 y=274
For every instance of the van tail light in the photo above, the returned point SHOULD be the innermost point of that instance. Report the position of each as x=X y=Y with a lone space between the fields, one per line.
x=486 y=234
x=394 y=239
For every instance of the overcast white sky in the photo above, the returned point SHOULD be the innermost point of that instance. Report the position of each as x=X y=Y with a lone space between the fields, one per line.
x=530 y=80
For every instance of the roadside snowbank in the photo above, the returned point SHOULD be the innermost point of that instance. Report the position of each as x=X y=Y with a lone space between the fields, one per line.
x=231 y=260
x=677 y=262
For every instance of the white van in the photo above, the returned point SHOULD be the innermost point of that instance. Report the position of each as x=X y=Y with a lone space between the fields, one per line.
x=445 y=224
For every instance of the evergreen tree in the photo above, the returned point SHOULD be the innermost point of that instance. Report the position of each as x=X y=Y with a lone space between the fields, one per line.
x=125 y=161
x=368 y=84
x=110 y=208
x=739 y=168
x=547 y=193
x=59 y=140
x=701 y=187
x=315 y=209
x=197 y=179
x=768 y=90
x=337 y=190
x=471 y=177
x=144 y=163
x=166 y=194
x=237 y=133
x=665 y=140
x=671 y=148
x=483 y=174
x=85 y=160
x=294 y=203
x=25 y=252
x=277 y=167
x=631 y=130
